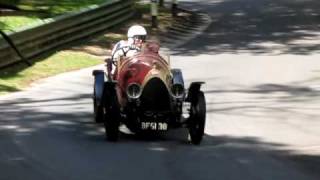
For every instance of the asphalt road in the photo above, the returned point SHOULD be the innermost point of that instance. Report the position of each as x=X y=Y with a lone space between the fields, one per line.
x=260 y=61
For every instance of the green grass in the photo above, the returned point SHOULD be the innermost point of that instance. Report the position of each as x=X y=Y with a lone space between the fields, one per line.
x=18 y=77
x=36 y=10
x=52 y=6
x=13 y=22
x=57 y=6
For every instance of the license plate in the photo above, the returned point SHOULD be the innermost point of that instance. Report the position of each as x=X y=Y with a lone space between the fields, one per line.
x=154 y=126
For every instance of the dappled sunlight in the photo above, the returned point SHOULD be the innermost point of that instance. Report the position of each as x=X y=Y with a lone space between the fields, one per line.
x=61 y=122
x=258 y=27
x=158 y=149
x=260 y=123
x=267 y=100
x=9 y=127
x=76 y=135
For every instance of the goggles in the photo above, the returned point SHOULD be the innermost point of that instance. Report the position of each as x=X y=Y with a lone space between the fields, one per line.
x=140 y=37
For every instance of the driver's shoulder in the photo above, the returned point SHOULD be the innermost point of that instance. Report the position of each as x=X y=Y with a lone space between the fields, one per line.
x=123 y=43
x=120 y=44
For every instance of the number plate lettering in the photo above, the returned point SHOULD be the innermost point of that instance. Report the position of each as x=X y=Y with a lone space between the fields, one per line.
x=162 y=126
x=154 y=126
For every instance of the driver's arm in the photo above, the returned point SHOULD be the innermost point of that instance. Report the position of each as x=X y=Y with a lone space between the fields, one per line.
x=109 y=62
x=115 y=47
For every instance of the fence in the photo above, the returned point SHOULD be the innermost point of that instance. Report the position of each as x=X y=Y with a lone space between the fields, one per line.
x=55 y=32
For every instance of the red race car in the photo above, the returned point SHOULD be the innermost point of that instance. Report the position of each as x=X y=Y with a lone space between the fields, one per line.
x=146 y=95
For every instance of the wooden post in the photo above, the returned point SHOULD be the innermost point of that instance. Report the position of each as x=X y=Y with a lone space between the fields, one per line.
x=161 y=3
x=174 y=8
x=154 y=13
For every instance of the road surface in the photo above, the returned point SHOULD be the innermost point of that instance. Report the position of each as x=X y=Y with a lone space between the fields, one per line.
x=260 y=61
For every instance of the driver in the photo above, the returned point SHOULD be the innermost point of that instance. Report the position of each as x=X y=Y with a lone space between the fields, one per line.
x=136 y=38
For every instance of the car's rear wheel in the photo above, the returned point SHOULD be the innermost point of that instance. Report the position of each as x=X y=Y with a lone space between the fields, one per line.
x=197 y=118
x=111 y=116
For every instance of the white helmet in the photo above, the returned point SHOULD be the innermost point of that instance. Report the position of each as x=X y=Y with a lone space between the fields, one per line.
x=136 y=30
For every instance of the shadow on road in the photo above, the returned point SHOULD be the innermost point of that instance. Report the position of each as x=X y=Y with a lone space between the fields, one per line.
x=284 y=102
x=258 y=27
x=51 y=137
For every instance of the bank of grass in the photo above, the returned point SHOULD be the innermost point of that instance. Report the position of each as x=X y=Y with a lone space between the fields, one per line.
x=18 y=77
x=87 y=53
x=10 y=23
x=55 y=7
x=32 y=11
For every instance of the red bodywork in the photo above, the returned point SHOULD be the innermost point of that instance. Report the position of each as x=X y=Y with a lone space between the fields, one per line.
x=139 y=68
x=146 y=95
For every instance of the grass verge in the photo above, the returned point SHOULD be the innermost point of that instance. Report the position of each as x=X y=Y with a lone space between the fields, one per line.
x=85 y=53
x=18 y=77
x=30 y=11
x=55 y=7
x=9 y=23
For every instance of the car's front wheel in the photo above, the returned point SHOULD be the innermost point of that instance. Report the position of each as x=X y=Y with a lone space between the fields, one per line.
x=197 y=118
x=112 y=128
x=111 y=115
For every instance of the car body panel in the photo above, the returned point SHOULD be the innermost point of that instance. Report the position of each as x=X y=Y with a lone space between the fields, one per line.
x=139 y=69
x=158 y=99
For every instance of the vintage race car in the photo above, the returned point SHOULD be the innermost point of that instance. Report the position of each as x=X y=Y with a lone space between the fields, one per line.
x=146 y=95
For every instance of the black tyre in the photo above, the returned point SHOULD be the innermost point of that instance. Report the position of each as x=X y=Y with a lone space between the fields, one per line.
x=97 y=109
x=197 y=119
x=112 y=128
x=111 y=115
